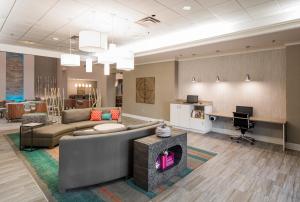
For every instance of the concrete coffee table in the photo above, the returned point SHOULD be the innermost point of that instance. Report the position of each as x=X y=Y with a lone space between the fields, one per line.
x=109 y=127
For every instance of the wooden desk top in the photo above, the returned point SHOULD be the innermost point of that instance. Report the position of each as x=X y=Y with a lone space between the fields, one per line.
x=253 y=118
x=200 y=103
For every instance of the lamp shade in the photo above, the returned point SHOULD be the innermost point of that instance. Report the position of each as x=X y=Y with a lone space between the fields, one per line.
x=110 y=56
x=125 y=61
x=92 y=41
x=70 y=60
x=125 y=64
x=89 y=65
x=106 y=58
x=106 y=69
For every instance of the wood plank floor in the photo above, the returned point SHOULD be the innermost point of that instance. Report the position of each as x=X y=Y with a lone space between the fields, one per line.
x=16 y=182
x=240 y=172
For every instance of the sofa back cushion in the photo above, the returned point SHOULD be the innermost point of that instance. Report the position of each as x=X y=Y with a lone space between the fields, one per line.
x=115 y=114
x=75 y=115
x=96 y=115
x=136 y=126
x=106 y=116
x=108 y=110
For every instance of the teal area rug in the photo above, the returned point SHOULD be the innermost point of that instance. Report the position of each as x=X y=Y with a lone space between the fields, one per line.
x=44 y=163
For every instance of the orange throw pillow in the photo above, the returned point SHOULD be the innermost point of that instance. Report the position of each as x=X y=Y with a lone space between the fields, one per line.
x=115 y=114
x=96 y=115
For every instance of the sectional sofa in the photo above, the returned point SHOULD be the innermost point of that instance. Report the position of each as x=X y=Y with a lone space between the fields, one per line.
x=86 y=160
x=72 y=120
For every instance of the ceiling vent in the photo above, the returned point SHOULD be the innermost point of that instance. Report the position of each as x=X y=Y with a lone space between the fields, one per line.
x=148 y=21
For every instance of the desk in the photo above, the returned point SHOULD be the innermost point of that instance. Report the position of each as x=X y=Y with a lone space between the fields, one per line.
x=258 y=119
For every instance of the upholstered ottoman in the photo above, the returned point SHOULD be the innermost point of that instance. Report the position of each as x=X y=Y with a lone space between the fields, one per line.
x=35 y=118
x=48 y=136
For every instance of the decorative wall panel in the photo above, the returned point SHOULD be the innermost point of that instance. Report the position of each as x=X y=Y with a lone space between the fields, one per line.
x=145 y=90
x=14 y=76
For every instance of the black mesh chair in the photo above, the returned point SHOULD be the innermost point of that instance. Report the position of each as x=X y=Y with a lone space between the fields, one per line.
x=242 y=122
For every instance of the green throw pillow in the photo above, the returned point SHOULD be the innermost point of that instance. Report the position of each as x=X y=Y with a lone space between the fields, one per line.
x=106 y=116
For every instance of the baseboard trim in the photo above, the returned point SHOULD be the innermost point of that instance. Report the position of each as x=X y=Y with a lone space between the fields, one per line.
x=292 y=146
x=261 y=138
x=144 y=118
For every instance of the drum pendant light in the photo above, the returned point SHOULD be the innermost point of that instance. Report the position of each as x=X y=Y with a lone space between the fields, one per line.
x=92 y=41
x=70 y=60
x=89 y=65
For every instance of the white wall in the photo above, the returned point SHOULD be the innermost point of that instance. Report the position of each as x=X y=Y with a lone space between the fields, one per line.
x=266 y=92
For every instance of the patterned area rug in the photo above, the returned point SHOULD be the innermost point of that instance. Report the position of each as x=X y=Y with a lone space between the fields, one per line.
x=44 y=163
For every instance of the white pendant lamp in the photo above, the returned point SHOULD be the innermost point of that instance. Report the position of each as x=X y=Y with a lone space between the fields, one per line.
x=106 y=69
x=92 y=41
x=125 y=64
x=126 y=61
x=89 y=65
x=112 y=46
x=108 y=56
x=70 y=60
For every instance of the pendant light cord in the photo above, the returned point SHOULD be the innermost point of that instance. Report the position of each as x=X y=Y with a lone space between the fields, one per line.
x=70 y=46
x=112 y=28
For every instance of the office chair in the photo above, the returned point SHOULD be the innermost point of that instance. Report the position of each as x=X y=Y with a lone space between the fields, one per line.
x=242 y=122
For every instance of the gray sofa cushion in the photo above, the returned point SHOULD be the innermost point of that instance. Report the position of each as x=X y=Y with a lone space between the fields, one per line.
x=85 y=132
x=131 y=127
x=95 y=132
x=51 y=131
x=88 y=124
x=75 y=115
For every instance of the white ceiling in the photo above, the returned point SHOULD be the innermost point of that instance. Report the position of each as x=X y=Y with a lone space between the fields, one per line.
x=34 y=23
x=272 y=40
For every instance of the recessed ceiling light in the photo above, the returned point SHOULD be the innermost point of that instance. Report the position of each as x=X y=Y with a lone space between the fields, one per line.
x=55 y=38
x=187 y=8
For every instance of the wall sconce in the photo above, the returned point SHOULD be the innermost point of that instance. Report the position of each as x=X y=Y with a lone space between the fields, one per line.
x=79 y=85
x=76 y=85
x=218 y=79
x=194 y=80
x=90 y=85
x=248 y=79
